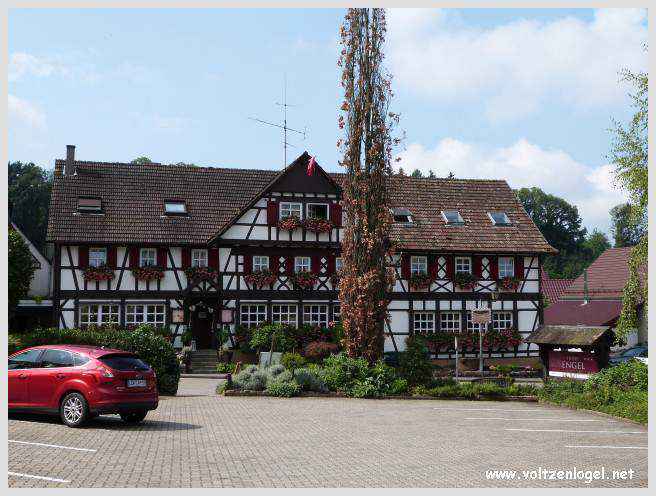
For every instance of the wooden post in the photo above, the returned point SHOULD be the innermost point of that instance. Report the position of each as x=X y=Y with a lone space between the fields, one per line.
x=456 y=345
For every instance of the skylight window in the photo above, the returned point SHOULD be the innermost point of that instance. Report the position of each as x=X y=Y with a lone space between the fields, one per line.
x=452 y=217
x=402 y=215
x=89 y=205
x=499 y=218
x=175 y=208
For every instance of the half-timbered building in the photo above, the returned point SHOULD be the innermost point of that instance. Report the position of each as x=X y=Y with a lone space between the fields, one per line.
x=200 y=247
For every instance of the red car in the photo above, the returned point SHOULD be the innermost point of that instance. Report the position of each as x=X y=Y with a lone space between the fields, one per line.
x=81 y=382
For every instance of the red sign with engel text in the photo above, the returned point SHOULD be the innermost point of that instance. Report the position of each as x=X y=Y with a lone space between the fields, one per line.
x=577 y=365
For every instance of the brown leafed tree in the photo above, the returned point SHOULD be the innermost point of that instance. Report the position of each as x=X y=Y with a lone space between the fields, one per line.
x=367 y=148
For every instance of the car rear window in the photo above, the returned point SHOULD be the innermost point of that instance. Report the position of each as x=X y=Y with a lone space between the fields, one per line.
x=123 y=362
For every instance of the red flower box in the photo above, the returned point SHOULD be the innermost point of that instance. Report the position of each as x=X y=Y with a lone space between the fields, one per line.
x=289 y=223
x=101 y=273
x=149 y=273
x=318 y=225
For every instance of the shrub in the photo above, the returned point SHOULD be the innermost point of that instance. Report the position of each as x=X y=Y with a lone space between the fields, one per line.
x=309 y=380
x=278 y=335
x=319 y=350
x=414 y=363
x=225 y=368
x=250 y=379
x=281 y=388
x=151 y=348
x=354 y=377
x=292 y=361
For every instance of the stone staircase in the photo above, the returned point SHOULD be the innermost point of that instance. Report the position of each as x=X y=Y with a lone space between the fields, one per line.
x=203 y=362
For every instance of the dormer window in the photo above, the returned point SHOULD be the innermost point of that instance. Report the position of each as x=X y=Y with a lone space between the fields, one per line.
x=89 y=205
x=499 y=218
x=175 y=207
x=452 y=217
x=317 y=211
x=402 y=215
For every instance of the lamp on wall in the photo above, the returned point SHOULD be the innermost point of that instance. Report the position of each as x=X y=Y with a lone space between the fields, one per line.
x=227 y=315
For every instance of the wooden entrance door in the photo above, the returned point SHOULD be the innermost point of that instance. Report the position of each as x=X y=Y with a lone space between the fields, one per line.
x=201 y=328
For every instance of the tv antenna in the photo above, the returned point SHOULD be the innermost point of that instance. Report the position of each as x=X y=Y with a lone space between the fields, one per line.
x=284 y=105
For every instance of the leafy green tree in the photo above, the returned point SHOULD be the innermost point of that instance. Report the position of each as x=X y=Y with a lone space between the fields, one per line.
x=629 y=154
x=627 y=228
x=595 y=244
x=451 y=175
x=20 y=269
x=561 y=225
x=431 y=174
x=29 y=188
x=417 y=173
x=141 y=161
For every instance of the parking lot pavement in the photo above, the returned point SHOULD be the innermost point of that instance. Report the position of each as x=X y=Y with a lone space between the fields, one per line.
x=214 y=441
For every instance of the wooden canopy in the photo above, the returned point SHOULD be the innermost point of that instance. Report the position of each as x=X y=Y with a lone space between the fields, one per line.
x=568 y=335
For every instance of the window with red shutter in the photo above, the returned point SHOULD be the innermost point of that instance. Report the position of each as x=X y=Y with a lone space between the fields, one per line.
x=134 y=257
x=478 y=267
x=213 y=258
x=248 y=264
x=519 y=267
x=450 y=267
x=83 y=255
x=161 y=257
x=336 y=214
x=272 y=213
x=405 y=267
x=331 y=264
x=316 y=264
x=289 y=266
x=186 y=258
x=494 y=268
x=111 y=256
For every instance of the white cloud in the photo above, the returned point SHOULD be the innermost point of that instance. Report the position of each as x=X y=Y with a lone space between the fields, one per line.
x=524 y=164
x=514 y=68
x=22 y=65
x=26 y=112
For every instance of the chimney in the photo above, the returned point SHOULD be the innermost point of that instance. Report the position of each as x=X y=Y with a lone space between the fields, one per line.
x=69 y=168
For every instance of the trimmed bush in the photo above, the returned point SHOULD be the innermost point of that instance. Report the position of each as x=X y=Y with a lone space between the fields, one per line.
x=310 y=380
x=283 y=388
x=153 y=349
x=293 y=361
x=414 y=362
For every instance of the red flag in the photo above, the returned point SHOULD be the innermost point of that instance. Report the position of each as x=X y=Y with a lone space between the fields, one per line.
x=311 y=165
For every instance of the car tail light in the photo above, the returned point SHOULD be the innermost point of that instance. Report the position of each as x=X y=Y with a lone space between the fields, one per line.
x=105 y=372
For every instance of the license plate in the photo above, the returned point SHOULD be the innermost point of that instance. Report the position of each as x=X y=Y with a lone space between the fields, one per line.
x=136 y=382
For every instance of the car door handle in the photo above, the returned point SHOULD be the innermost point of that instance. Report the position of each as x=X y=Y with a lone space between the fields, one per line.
x=60 y=376
x=22 y=376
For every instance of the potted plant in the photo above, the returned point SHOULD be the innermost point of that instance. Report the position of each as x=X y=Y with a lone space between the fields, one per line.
x=289 y=223
x=201 y=273
x=305 y=280
x=100 y=273
x=509 y=283
x=260 y=278
x=465 y=281
x=318 y=225
x=148 y=273
x=420 y=281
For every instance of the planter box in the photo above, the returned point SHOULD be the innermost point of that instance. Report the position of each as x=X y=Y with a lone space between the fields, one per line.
x=275 y=357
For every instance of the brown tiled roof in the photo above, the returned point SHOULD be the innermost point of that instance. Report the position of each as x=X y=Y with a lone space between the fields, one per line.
x=133 y=197
x=565 y=334
x=607 y=276
x=553 y=288
x=133 y=201
x=577 y=312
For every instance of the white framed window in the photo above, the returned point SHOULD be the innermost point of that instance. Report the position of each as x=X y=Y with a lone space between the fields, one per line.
x=317 y=211
x=452 y=217
x=470 y=324
x=288 y=209
x=99 y=314
x=89 y=205
x=499 y=218
x=252 y=315
x=199 y=257
x=315 y=314
x=450 y=321
x=147 y=257
x=502 y=320
x=338 y=264
x=284 y=314
x=337 y=312
x=153 y=314
x=423 y=322
x=175 y=207
x=97 y=257
x=506 y=267
x=302 y=264
x=260 y=263
x=463 y=265
x=418 y=265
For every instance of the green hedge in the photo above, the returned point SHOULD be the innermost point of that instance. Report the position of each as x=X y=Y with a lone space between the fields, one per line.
x=151 y=347
x=619 y=390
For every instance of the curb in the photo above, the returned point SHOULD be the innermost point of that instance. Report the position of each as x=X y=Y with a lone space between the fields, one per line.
x=204 y=376
x=525 y=399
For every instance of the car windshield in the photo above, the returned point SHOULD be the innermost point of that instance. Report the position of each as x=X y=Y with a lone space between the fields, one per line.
x=123 y=362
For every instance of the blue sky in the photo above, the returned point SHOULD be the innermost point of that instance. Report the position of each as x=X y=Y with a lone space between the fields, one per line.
x=523 y=95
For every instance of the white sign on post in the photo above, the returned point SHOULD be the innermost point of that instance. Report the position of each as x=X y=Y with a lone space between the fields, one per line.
x=481 y=316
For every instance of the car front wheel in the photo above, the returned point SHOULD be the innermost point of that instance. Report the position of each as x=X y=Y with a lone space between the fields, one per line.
x=134 y=417
x=74 y=410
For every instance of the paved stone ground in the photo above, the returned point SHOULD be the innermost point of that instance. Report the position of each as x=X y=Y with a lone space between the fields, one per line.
x=198 y=386
x=214 y=441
